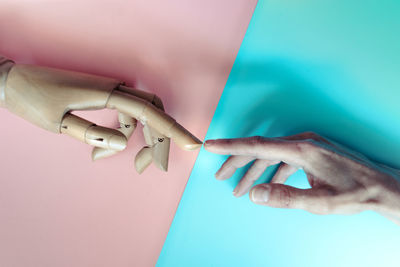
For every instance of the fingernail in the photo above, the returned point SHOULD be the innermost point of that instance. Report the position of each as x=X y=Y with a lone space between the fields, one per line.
x=117 y=142
x=219 y=175
x=235 y=191
x=259 y=195
x=209 y=142
x=223 y=174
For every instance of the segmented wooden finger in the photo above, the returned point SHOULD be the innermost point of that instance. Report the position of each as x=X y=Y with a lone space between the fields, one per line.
x=92 y=134
x=127 y=127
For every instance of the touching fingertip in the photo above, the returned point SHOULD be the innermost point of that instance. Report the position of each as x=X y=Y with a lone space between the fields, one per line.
x=184 y=139
x=191 y=147
x=209 y=142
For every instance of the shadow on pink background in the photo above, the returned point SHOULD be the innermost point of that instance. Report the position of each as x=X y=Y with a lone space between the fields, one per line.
x=57 y=208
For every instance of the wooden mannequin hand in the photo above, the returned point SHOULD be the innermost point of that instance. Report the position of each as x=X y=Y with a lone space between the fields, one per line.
x=46 y=97
x=342 y=181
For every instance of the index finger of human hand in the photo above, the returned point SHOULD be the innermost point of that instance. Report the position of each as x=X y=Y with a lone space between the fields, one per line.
x=258 y=147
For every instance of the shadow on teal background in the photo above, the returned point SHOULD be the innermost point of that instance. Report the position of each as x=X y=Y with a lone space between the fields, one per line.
x=328 y=66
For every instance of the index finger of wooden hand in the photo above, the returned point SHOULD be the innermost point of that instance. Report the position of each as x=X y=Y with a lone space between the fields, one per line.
x=154 y=117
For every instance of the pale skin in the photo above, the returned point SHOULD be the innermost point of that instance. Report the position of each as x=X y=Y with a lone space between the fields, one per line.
x=342 y=181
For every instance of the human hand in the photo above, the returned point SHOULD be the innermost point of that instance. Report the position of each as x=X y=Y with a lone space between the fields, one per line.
x=342 y=181
x=46 y=97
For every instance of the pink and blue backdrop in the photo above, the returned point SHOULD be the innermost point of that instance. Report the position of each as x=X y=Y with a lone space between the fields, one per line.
x=57 y=208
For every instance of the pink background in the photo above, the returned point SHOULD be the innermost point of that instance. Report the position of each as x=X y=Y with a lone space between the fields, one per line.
x=57 y=208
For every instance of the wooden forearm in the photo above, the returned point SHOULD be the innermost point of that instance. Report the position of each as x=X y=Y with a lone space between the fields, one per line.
x=44 y=95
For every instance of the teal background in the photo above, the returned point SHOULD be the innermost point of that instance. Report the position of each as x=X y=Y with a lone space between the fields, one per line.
x=328 y=66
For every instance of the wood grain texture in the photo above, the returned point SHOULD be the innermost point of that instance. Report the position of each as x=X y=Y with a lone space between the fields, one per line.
x=44 y=95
